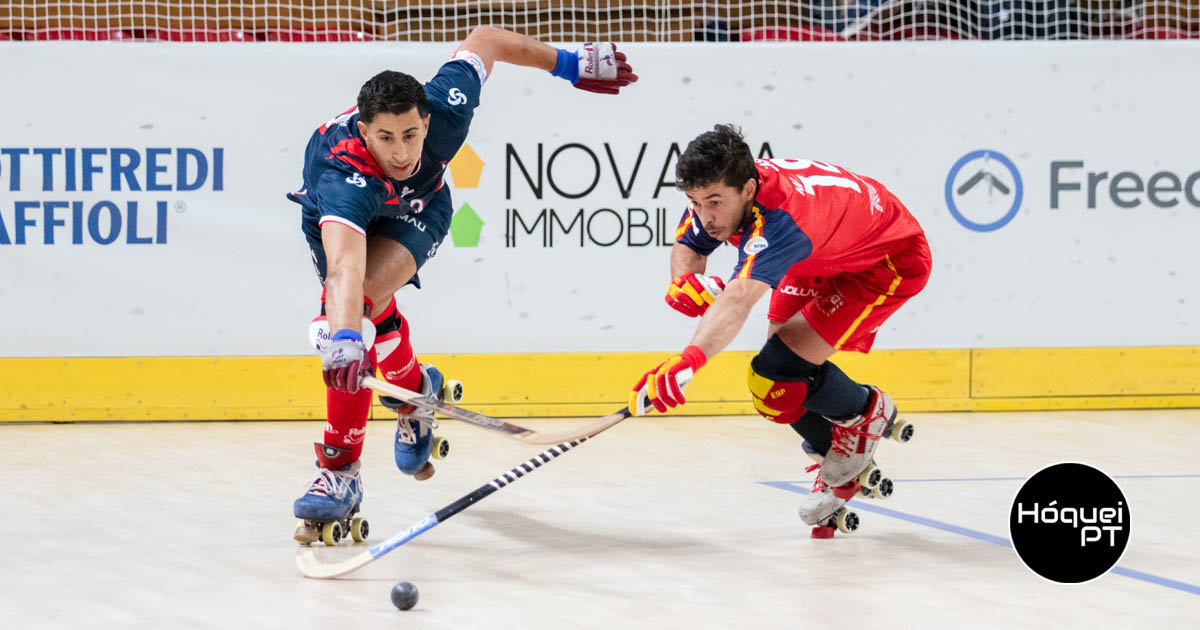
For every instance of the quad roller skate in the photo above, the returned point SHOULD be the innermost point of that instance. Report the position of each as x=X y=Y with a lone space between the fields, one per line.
x=825 y=508
x=415 y=441
x=329 y=508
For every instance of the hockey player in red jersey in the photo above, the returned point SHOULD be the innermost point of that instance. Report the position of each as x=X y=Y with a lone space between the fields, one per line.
x=840 y=254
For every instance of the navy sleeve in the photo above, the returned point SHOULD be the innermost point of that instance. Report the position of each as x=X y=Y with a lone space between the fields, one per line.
x=692 y=234
x=453 y=95
x=770 y=246
x=349 y=199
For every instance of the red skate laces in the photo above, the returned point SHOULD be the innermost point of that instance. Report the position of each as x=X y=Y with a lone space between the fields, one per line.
x=819 y=482
x=844 y=437
x=845 y=491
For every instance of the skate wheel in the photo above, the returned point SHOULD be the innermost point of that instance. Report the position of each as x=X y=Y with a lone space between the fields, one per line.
x=847 y=520
x=359 y=528
x=884 y=489
x=441 y=448
x=452 y=391
x=903 y=430
x=870 y=477
x=331 y=533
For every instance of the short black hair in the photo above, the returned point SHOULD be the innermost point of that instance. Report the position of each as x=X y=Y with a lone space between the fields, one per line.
x=720 y=155
x=391 y=92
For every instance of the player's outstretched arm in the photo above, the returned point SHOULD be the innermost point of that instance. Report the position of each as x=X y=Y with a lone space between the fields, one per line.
x=728 y=314
x=343 y=361
x=594 y=67
x=663 y=386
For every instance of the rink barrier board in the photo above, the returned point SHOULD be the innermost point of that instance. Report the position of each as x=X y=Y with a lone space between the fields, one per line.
x=588 y=384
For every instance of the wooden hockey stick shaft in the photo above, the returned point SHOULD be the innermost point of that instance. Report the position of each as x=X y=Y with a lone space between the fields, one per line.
x=508 y=429
x=311 y=567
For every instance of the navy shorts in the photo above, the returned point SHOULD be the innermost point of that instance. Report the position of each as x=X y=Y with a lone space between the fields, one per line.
x=420 y=234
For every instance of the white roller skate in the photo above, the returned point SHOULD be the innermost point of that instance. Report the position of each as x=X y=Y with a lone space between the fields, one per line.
x=825 y=507
x=329 y=508
x=855 y=441
x=415 y=441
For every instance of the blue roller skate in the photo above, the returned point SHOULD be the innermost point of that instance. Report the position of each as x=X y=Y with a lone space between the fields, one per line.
x=415 y=441
x=329 y=508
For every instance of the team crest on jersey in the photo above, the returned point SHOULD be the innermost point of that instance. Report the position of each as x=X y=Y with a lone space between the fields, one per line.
x=357 y=179
x=456 y=97
x=755 y=245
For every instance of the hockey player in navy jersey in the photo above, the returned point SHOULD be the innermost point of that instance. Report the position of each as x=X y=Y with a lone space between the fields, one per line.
x=375 y=209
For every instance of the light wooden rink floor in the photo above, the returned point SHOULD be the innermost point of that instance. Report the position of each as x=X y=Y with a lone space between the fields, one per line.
x=679 y=522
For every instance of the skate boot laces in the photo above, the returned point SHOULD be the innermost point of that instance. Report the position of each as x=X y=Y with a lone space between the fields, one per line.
x=330 y=483
x=819 y=483
x=844 y=437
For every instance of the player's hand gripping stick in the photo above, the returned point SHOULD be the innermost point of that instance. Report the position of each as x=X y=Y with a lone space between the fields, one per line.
x=344 y=362
x=597 y=67
x=663 y=386
x=692 y=294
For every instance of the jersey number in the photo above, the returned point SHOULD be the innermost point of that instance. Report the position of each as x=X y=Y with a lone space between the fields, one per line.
x=804 y=184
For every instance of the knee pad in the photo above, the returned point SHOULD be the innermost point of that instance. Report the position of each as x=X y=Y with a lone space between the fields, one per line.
x=784 y=386
x=780 y=382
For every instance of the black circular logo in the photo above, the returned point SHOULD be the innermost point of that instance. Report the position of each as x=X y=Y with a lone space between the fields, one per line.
x=1069 y=523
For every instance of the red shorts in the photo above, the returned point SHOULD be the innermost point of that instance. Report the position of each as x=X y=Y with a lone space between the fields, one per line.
x=847 y=309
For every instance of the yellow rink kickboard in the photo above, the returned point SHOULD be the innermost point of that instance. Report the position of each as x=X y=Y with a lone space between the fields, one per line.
x=590 y=384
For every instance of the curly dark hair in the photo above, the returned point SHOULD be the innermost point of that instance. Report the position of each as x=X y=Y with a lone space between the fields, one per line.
x=391 y=92
x=720 y=155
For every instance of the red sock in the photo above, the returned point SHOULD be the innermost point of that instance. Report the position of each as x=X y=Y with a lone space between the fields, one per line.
x=346 y=415
x=397 y=361
x=347 y=420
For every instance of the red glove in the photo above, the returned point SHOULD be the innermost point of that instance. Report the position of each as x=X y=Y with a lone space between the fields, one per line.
x=691 y=294
x=663 y=386
x=602 y=69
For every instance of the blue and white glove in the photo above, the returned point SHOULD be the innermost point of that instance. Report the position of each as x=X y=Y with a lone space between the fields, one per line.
x=597 y=67
x=344 y=362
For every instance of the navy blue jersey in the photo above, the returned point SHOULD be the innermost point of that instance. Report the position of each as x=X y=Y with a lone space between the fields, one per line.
x=343 y=183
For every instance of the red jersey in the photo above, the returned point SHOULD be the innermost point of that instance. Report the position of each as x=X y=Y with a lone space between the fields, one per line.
x=811 y=219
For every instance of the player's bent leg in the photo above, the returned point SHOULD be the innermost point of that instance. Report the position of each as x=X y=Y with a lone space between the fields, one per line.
x=784 y=385
x=817 y=432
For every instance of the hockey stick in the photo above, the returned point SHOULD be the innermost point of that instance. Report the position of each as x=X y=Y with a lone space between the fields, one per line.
x=454 y=412
x=309 y=565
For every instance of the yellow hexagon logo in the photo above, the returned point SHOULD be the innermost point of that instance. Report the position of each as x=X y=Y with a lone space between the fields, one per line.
x=466 y=167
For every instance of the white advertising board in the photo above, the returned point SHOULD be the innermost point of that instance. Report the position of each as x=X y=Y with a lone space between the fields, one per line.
x=143 y=212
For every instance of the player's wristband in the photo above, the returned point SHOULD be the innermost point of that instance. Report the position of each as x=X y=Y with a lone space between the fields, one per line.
x=346 y=333
x=567 y=66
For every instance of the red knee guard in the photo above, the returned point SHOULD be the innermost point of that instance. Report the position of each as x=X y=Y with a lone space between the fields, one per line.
x=777 y=401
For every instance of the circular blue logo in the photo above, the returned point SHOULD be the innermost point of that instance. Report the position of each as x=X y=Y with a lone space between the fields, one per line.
x=983 y=191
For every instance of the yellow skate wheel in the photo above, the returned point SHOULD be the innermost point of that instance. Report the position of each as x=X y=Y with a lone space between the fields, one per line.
x=331 y=533
x=903 y=430
x=452 y=391
x=847 y=521
x=870 y=477
x=359 y=528
x=305 y=533
x=441 y=448
x=884 y=489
